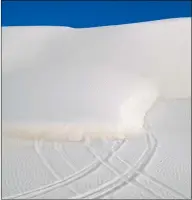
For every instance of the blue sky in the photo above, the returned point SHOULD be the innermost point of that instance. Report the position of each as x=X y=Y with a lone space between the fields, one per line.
x=89 y=13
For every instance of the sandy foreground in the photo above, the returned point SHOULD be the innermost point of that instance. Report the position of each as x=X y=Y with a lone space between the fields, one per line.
x=54 y=76
x=150 y=167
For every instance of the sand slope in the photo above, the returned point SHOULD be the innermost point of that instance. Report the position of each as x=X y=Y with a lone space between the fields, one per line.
x=54 y=77
x=97 y=80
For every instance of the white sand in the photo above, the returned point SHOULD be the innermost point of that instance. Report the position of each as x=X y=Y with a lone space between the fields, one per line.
x=143 y=168
x=63 y=84
x=86 y=77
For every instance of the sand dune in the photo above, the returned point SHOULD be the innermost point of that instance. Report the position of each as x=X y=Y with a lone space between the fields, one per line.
x=108 y=84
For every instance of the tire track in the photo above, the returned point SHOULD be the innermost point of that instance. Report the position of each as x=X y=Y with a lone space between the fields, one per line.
x=118 y=174
x=110 y=167
x=126 y=163
x=137 y=170
x=69 y=179
x=154 y=180
x=135 y=182
x=119 y=181
x=59 y=149
x=38 y=145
